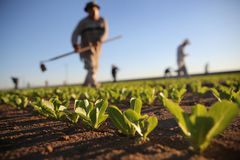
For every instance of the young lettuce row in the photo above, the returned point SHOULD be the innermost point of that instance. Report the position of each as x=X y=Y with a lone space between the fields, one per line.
x=52 y=108
x=201 y=126
x=131 y=121
x=220 y=92
x=174 y=93
x=226 y=93
x=17 y=101
x=118 y=95
x=91 y=115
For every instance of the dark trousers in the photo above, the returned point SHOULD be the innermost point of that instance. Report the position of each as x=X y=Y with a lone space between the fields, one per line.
x=182 y=71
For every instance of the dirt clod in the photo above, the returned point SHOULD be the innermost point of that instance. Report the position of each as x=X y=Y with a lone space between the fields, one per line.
x=49 y=148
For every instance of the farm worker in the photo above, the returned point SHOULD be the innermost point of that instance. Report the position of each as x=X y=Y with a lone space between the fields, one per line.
x=15 y=81
x=206 y=68
x=167 y=72
x=114 y=73
x=93 y=31
x=182 y=70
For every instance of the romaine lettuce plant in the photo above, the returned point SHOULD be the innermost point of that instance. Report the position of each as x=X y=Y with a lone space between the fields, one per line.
x=148 y=95
x=91 y=115
x=177 y=94
x=202 y=125
x=131 y=121
x=196 y=87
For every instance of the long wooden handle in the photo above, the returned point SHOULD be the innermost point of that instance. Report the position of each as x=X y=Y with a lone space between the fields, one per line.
x=81 y=50
x=84 y=49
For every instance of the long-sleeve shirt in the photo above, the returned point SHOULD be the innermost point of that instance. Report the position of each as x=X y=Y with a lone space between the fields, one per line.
x=90 y=31
x=180 y=56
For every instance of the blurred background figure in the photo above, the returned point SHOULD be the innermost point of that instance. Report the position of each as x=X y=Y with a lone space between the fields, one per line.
x=167 y=72
x=28 y=85
x=93 y=31
x=206 y=68
x=46 y=83
x=114 y=73
x=15 y=81
x=182 y=70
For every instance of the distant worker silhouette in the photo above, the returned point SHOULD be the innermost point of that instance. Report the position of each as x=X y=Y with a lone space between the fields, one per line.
x=93 y=30
x=182 y=70
x=167 y=72
x=15 y=81
x=114 y=73
x=206 y=68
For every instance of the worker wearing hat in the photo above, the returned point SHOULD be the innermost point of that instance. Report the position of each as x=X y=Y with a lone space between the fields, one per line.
x=93 y=31
x=182 y=70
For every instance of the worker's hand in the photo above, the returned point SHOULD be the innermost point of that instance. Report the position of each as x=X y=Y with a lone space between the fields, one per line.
x=76 y=48
x=100 y=42
x=97 y=43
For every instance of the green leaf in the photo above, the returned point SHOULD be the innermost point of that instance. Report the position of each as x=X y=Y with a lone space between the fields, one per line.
x=89 y=108
x=102 y=105
x=18 y=100
x=81 y=103
x=198 y=110
x=216 y=94
x=200 y=125
x=137 y=128
x=119 y=120
x=178 y=114
x=132 y=115
x=56 y=103
x=62 y=108
x=199 y=131
x=116 y=117
x=48 y=108
x=102 y=119
x=94 y=117
x=222 y=113
x=25 y=102
x=136 y=105
x=80 y=110
x=130 y=126
x=73 y=117
x=148 y=125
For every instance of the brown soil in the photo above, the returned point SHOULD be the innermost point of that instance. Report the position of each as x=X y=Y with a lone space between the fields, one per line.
x=27 y=135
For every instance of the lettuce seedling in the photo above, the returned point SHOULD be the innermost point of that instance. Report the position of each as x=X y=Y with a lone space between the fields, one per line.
x=131 y=121
x=148 y=95
x=177 y=94
x=104 y=94
x=196 y=87
x=201 y=126
x=91 y=115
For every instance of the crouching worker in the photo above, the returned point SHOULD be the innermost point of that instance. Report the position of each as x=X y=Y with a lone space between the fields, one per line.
x=92 y=30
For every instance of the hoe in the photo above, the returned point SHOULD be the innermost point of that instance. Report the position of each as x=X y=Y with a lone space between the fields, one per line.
x=44 y=68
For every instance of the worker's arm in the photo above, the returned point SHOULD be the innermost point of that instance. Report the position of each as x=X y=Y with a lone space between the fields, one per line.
x=75 y=36
x=105 y=33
